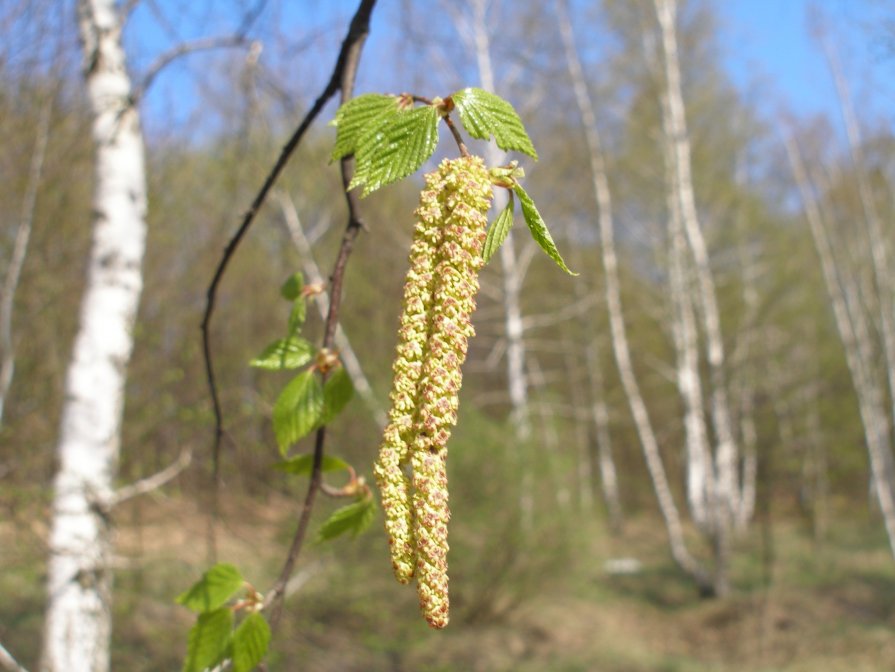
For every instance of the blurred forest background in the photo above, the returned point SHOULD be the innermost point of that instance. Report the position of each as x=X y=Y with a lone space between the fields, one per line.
x=749 y=268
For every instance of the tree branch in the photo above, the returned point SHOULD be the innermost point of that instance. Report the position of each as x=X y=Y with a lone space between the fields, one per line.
x=154 y=482
x=7 y=662
x=346 y=65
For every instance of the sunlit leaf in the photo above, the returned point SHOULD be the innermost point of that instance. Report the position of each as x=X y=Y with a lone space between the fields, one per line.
x=302 y=464
x=354 y=518
x=396 y=146
x=216 y=586
x=208 y=640
x=356 y=117
x=285 y=353
x=539 y=229
x=297 y=409
x=337 y=392
x=250 y=642
x=291 y=289
x=498 y=231
x=484 y=114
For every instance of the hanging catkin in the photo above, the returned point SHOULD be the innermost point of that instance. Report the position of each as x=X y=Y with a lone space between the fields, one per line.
x=439 y=297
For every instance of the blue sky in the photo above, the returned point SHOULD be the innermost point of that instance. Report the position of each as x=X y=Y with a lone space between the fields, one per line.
x=769 y=52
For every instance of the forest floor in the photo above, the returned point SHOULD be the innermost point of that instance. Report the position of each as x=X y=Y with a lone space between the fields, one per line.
x=798 y=604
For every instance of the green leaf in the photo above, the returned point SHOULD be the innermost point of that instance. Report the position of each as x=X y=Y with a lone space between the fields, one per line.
x=337 y=392
x=297 y=410
x=250 y=642
x=302 y=464
x=297 y=315
x=356 y=117
x=291 y=289
x=216 y=586
x=285 y=353
x=539 y=229
x=354 y=518
x=484 y=114
x=395 y=147
x=208 y=640
x=498 y=231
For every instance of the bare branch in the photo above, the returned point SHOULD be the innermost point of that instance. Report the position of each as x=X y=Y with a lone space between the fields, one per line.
x=154 y=482
x=8 y=662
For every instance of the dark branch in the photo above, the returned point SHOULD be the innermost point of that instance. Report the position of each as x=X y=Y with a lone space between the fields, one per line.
x=457 y=137
x=346 y=69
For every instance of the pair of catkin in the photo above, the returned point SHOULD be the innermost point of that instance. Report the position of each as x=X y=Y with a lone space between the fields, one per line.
x=439 y=297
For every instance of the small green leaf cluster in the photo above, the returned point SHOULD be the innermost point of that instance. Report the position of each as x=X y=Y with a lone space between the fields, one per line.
x=390 y=139
x=309 y=402
x=217 y=598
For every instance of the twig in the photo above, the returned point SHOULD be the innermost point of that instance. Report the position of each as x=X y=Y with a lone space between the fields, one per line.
x=348 y=60
x=154 y=482
x=183 y=49
x=459 y=139
x=8 y=662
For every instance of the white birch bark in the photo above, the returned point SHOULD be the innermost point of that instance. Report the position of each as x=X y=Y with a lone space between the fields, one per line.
x=854 y=333
x=78 y=619
x=618 y=331
x=676 y=133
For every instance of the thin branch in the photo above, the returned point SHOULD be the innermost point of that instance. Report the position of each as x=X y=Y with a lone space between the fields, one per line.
x=345 y=65
x=457 y=137
x=154 y=482
x=8 y=662
x=342 y=79
x=184 y=49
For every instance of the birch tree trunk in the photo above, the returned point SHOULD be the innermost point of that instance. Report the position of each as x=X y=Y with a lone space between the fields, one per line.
x=78 y=619
x=675 y=125
x=618 y=331
x=854 y=333
x=517 y=381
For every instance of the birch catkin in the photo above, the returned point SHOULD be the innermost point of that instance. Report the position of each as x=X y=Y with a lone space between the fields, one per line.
x=439 y=297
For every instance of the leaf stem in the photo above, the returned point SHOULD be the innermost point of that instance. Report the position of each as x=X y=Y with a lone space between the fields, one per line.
x=457 y=137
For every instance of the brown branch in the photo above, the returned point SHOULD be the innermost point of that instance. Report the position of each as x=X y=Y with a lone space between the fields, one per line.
x=342 y=80
x=357 y=32
x=457 y=137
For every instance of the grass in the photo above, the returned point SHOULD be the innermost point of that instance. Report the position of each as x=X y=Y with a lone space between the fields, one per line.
x=817 y=606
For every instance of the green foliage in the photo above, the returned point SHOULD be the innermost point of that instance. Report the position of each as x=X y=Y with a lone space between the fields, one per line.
x=394 y=147
x=249 y=643
x=302 y=464
x=214 y=589
x=498 y=231
x=284 y=353
x=484 y=114
x=291 y=289
x=298 y=409
x=539 y=229
x=354 y=518
x=356 y=117
x=208 y=640
x=337 y=392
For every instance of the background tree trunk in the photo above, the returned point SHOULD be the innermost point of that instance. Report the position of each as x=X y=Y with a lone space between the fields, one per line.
x=78 y=618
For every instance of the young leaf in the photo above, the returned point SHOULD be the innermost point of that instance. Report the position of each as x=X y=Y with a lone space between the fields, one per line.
x=297 y=315
x=354 y=518
x=216 y=586
x=297 y=409
x=395 y=147
x=285 y=353
x=498 y=231
x=303 y=463
x=208 y=640
x=539 y=229
x=483 y=114
x=250 y=642
x=356 y=117
x=337 y=392
x=291 y=289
